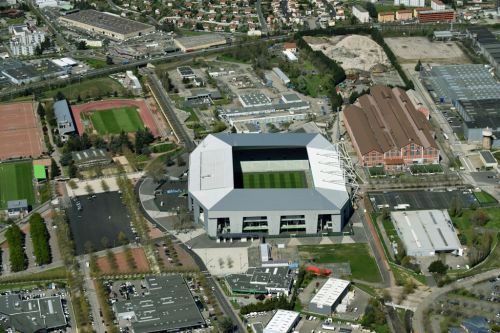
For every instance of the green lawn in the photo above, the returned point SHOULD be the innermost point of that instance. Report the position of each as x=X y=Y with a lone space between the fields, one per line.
x=16 y=182
x=287 y=179
x=99 y=87
x=163 y=147
x=376 y=171
x=484 y=197
x=95 y=63
x=114 y=121
x=423 y=169
x=363 y=265
x=464 y=225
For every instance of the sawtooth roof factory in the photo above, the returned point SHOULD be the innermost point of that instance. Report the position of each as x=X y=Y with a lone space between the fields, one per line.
x=106 y=24
x=248 y=185
x=426 y=232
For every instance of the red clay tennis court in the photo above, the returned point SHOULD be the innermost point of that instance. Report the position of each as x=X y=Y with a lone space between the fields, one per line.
x=20 y=132
x=146 y=116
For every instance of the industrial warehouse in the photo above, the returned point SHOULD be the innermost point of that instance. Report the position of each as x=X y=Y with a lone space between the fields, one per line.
x=426 y=232
x=196 y=43
x=168 y=306
x=262 y=280
x=386 y=129
x=283 y=321
x=247 y=185
x=329 y=296
x=108 y=25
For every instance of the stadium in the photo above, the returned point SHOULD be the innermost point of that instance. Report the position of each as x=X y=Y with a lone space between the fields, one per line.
x=250 y=185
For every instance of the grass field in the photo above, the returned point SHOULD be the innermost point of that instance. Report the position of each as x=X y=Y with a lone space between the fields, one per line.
x=287 y=179
x=114 y=121
x=16 y=182
x=363 y=265
x=99 y=87
x=464 y=223
x=484 y=198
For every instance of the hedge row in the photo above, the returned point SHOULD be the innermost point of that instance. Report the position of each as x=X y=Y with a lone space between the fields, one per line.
x=40 y=238
x=17 y=256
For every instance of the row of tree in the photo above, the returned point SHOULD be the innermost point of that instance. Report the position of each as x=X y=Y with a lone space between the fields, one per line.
x=40 y=239
x=17 y=257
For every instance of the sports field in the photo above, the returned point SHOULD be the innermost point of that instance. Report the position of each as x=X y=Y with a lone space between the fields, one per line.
x=285 y=179
x=16 y=182
x=114 y=121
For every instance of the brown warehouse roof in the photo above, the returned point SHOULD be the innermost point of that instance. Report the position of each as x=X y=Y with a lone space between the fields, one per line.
x=387 y=119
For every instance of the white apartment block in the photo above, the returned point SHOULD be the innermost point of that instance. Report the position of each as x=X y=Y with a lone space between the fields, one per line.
x=410 y=3
x=437 y=5
x=25 y=39
x=361 y=14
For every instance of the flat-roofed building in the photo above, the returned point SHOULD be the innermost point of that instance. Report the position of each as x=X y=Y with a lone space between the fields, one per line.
x=442 y=16
x=106 y=24
x=262 y=280
x=17 y=207
x=328 y=296
x=168 y=306
x=254 y=99
x=283 y=321
x=479 y=115
x=426 y=232
x=91 y=157
x=404 y=15
x=33 y=315
x=386 y=17
x=410 y=3
x=386 y=129
x=361 y=14
x=25 y=39
x=195 y=43
x=489 y=161
x=64 y=118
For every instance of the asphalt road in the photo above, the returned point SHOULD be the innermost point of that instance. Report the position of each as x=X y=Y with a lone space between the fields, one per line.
x=418 y=317
x=91 y=294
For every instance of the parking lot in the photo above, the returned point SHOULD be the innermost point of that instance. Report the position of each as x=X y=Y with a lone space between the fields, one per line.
x=98 y=221
x=430 y=199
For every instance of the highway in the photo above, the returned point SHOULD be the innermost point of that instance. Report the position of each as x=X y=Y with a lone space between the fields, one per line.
x=19 y=90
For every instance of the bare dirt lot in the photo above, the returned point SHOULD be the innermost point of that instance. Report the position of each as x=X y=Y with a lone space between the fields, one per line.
x=20 y=132
x=412 y=49
x=139 y=257
x=352 y=52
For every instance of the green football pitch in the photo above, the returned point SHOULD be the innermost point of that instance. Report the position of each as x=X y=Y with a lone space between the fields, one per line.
x=285 y=179
x=114 y=121
x=16 y=182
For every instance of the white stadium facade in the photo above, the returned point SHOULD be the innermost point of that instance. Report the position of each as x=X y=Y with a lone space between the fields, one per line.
x=250 y=185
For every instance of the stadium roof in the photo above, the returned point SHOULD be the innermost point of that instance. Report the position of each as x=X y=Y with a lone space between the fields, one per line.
x=282 y=321
x=328 y=295
x=211 y=178
x=107 y=21
x=169 y=306
x=424 y=232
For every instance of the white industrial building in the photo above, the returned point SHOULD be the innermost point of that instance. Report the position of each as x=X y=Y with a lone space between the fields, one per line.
x=410 y=3
x=283 y=321
x=25 y=39
x=281 y=75
x=361 y=14
x=329 y=296
x=426 y=232
x=230 y=208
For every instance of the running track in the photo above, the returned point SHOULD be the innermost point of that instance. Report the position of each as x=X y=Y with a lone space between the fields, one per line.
x=145 y=114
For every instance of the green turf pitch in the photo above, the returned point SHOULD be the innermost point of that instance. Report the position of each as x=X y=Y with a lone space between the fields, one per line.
x=16 y=182
x=114 y=121
x=286 y=179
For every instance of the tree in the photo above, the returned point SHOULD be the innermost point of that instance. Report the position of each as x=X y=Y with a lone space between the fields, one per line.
x=372 y=10
x=180 y=161
x=105 y=242
x=109 y=60
x=104 y=186
x=41 y=110
x=89 y=189
x=226 y=325
x=418 y=66
x=480 y=218
x=54 y=169
x=122 y=238
x=81 y=45
x=156 y=170
x=438 y=267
